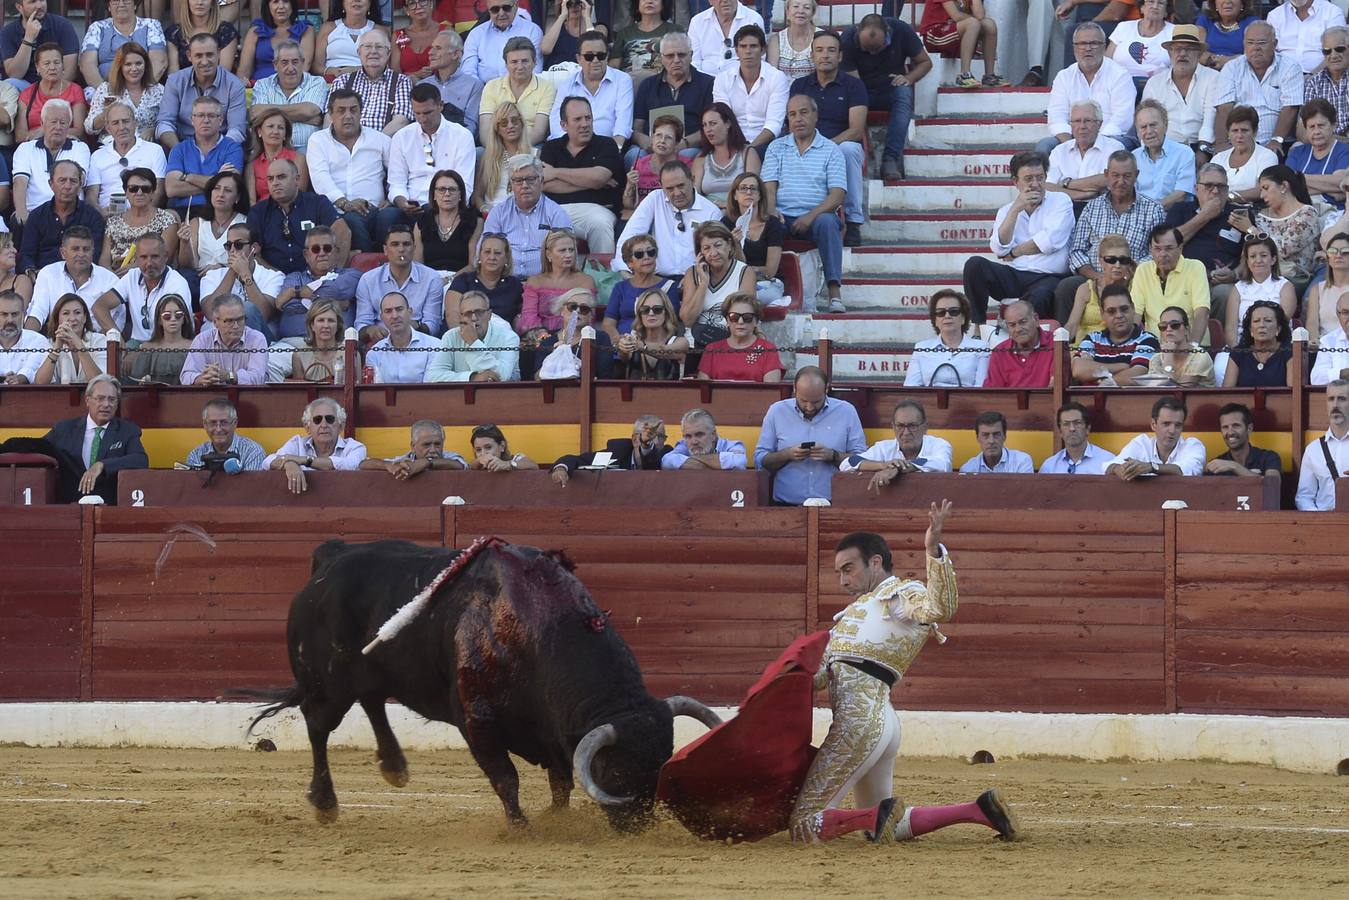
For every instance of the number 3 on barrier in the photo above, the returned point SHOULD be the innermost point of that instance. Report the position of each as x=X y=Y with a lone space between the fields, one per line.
x=138 y=497
x=737 y=499
x=1243 y=503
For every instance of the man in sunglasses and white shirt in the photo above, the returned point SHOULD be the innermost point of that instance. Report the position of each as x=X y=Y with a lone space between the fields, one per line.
x=670 y=215
x=608 y=90
x=322 y=446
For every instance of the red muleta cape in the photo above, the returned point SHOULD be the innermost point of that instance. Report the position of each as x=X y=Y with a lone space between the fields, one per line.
x=739 y=781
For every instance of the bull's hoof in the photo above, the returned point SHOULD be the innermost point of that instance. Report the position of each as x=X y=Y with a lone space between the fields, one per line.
x=326 y=816
x=397 y=778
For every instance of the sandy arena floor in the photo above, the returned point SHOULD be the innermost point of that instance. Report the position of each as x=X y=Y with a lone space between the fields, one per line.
x=158 y=823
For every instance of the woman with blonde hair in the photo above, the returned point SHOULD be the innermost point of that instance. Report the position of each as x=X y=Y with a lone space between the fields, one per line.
x=790 y=52
x=194 y=17
x=745 y=354
x=1117 y=267
x=1324 y=296
x=490 y=276
x=505 y=139
x=655 y=348
x=559 y=275
x=323 y=356
x=78 y=352
x=131 y=82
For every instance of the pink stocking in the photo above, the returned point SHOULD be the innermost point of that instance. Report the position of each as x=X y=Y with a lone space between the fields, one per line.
x=925 y=819
x=838 y=822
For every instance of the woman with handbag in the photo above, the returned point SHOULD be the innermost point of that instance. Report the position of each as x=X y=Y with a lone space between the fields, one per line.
x=718 y=273
x=560 y=351
x=953 y=358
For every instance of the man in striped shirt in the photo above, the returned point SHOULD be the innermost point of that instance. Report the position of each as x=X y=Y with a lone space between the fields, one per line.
x=1119 y=352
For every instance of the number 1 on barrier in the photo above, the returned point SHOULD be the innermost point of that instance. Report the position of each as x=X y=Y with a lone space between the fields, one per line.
x=27 y=496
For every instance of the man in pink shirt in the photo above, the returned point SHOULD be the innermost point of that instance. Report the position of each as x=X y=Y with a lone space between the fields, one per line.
x=1026 y=358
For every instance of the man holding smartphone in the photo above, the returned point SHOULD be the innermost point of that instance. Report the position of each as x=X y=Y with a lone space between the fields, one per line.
x=804 y=439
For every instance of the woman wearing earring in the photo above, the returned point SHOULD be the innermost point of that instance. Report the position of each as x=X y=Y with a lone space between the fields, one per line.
x=744 y=354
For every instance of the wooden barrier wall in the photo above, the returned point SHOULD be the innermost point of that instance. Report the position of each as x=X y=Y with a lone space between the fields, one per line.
x=1145 y=612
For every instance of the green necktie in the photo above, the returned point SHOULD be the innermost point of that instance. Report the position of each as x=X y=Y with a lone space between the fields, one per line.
x=93 y=448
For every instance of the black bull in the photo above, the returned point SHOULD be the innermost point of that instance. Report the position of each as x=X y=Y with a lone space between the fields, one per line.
x=512 y=650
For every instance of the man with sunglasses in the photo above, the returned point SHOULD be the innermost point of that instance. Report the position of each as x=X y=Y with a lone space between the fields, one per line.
x=712 y=33
x=130 y=306
x=1328 y=83
x=321 y=279
x=74 y=273
x=127 y=151
x=483 y=348
x=1299 y=26
x=670 y=215
x=226 y=352
x=280 y=221
x=247 y=276
x=1030 y=240
x=322 y=447
x=418 y=151
x=608 y=90
x=485 y=44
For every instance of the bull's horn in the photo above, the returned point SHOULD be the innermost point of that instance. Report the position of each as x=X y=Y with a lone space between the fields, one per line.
x=599 y=736
x=687 y=706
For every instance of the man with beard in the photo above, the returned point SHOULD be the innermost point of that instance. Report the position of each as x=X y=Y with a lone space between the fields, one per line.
x=1236 y=424
x=702 y=448
x=130 y=306
x=1326 y=459
x=644 y=450
x=20 y=349
x=483 y=348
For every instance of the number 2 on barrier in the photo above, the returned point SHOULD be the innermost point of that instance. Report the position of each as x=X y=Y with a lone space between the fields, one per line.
x=138 y=497
x=737 y=499
x=1243 y=503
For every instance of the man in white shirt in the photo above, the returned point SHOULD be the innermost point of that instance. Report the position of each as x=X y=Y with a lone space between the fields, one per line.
x=712 y=31
x=990 y=430
x=1270 y=84
x=911 y=450
x=756 y=93
x=702 y=448
x=483 y=348
x=1332 y=356
x=346 y=164
x=74 y=273
x=33 y=160
x=244 y=275
x=321 y=447
x=670 y=215
x=130 y=306
x=127 y=151
x=1079 y=456
x=484 y=45
x=20 y=349
x=1164 y=452
x=1299 y=24
x=1326 y=459
x=1092 y=77
x=1187 y=90
x=1030 y=238
x=421 y=149
x=426 y=453
x=403 y=356
x=608 y=90
x=1077 y=166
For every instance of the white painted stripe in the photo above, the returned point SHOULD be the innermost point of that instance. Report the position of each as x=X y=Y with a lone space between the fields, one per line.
x=73 y=800
x=1200 y=826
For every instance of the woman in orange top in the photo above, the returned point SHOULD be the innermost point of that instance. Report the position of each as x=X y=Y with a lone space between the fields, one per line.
x=272 y=135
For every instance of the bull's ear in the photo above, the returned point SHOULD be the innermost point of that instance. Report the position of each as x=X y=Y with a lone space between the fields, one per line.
x=561 y=558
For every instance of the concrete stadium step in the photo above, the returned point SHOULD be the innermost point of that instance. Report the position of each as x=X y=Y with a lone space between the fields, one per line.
x=1008 y=101
x=957 y=132
x=878 y=329
x=981 y=162
x=894 y=293
x=882 y=365
x=963 y=227
x=938 y=194
x=911 y=259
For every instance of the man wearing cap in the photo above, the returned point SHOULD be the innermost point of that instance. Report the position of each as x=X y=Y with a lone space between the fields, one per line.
x=1187 y=91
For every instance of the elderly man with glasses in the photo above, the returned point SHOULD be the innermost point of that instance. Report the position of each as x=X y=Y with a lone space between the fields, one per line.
x=220 y=420
x=678 y=84
x=1328 y=83
x=911 y=450
x=1092 y=77
x=526 y=216
x=671 y=215
x=322 y=447
x=95 y=447
x=1186 y=90
x=1206 y=235
x=227 y=352
x=1299 y=26
x=298 y=95
x=486 y=43
x=483 y=348
x=386 y=95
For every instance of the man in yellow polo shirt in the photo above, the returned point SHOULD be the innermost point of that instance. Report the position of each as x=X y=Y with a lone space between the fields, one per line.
x=1169 y=279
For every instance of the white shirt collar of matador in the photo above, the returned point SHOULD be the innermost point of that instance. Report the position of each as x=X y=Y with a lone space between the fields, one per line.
x=889 y=624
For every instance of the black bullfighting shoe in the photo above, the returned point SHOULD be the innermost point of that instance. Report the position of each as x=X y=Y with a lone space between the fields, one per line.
x=999 y=814
x=888 y=814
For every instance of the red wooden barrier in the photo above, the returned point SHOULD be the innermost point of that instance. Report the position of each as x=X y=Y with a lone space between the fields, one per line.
x=40 y=604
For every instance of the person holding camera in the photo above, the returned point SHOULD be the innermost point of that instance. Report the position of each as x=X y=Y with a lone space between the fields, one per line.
x=221 y=421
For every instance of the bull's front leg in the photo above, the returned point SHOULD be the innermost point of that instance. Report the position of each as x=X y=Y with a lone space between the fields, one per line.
x=560 y=783
x=490 y=752
x=392 y=764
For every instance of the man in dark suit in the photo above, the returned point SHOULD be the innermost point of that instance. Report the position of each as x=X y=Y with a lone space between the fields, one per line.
x=648 y=436
x=94 y=448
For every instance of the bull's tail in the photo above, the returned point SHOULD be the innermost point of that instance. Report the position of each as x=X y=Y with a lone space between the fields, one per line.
x=281 y=698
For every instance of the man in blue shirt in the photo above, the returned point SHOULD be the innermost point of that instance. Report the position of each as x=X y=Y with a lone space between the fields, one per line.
x=221 y=421
x=805 y=179
x=32 y=28
x=483 y=48
x=206 y=78
x=842 y=101
x=526 y=216
x=283 y=219
x=889 y=58
x=702 y=448
x=803 y=439
x=193 y=162
x=1079 y=456
x=420 y=285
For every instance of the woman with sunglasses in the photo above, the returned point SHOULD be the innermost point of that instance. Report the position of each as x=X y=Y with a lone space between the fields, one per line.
x=575 y=310
x=322 y=358
x=272 y=136
x=1117 y=267
x=78 y=353
x=559 y=275
x=491 y=276
x=10 y=278
x=443 y=237
x=761 y=240
x=201 y=241
x=655 y=348
x=562 y=41
x=1180 y=359
x=130 y=81
x=1289 y=219
x=141 y=217
x=505 y=139
x=725 y=154
x=1260 y=358
x=954 y=358
x=277 y=24
x=1258 y=278
x=160 y=359
x=745 y=354
x=492 y=453
x=621 y=316
x=1323 y=298
x=717 y=274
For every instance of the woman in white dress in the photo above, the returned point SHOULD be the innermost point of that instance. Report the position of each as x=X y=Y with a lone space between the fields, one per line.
x=1137 y=45
x=953 y=358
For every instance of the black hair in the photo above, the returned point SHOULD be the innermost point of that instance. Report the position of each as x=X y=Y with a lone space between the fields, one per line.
x=867 y=544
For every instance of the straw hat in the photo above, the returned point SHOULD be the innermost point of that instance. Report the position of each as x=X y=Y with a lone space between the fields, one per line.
x=1186 y=36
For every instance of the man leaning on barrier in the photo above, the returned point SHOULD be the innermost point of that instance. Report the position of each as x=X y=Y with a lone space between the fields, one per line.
x=322 y=446
x=701 y=448
x=911 y=450
x=427 y=452
x=1164 y=452
x=221 y=421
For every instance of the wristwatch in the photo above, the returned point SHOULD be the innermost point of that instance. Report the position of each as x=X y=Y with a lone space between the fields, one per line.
x=1155 y=468
x=309 y=462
